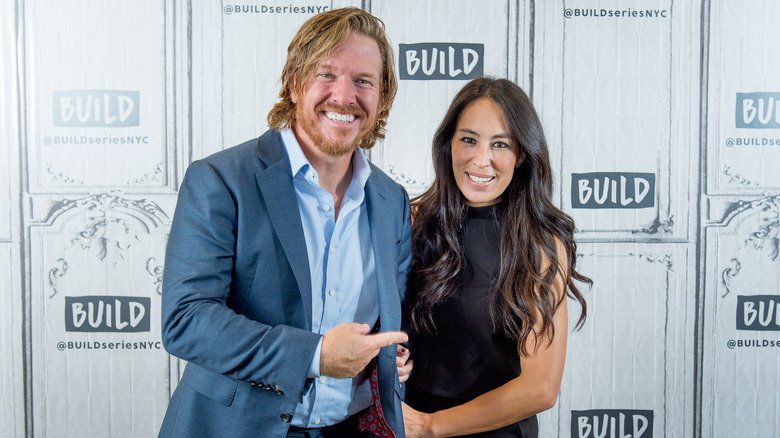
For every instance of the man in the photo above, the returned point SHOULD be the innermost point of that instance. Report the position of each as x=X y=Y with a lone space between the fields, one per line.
x=288 y=255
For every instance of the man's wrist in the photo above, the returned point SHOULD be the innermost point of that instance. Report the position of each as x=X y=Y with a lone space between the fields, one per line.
x=314 y=368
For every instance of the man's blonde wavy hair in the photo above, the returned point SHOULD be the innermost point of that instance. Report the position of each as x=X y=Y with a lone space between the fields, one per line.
x=318 y=38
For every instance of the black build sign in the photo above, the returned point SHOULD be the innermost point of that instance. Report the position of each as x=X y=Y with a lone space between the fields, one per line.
x=107 y=314
x=600 y=423
x=620 y=190
x=441 y=61
x=758 y=312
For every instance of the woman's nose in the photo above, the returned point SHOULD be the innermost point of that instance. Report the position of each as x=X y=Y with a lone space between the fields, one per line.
x=482 y=156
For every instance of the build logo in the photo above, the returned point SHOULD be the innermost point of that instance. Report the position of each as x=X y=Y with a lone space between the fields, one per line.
x=758 y=110
x=96 y=108
x=599 y=423
x=107 y=314
x=440 y=61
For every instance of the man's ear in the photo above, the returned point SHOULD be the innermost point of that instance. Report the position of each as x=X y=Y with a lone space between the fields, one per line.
x=294 y=90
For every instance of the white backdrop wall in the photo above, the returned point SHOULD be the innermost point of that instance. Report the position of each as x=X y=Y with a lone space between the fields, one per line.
x=663 y=122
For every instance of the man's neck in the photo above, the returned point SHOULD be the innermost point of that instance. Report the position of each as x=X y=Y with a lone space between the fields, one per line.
x=335 y=173
x=335 y=177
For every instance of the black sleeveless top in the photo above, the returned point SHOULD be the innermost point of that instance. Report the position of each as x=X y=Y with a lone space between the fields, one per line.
x=467 y=356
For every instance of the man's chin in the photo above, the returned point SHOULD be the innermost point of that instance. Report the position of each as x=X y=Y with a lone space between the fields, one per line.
x=342 y=146
x=337 y=149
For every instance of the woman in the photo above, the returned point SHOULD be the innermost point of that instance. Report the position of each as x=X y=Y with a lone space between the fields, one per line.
x=493 y=261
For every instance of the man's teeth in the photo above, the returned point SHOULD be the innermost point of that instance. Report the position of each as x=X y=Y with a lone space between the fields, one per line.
x=340 y=117
x=480 y=180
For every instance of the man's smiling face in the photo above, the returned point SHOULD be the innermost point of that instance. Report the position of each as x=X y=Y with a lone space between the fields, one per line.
x=337 y=107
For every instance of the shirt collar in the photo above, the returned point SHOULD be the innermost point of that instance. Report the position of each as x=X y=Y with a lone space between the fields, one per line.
x=299 y=163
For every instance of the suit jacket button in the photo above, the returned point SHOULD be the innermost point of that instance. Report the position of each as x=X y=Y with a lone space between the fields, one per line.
x=286 y=417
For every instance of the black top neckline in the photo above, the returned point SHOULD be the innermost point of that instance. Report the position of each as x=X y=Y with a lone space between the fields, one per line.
x=483 y=212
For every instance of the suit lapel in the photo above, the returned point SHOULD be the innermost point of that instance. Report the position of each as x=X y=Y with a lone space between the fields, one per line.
x=383 y=239
x=383 y=242
x=276 y=185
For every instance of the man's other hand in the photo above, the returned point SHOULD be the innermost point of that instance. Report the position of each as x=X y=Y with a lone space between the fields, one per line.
x=348 y=348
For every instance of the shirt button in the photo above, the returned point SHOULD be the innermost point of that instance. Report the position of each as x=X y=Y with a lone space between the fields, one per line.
x=323 y=379
x=286 y=417
x=310 y=174
x=317 y=420
x=326 y=207
x=332 y=250
x=331 y=292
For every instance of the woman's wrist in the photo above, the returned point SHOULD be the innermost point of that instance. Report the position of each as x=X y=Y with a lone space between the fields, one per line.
x=432 y=425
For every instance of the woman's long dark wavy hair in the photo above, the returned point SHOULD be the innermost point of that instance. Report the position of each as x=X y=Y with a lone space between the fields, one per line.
x=530 y=227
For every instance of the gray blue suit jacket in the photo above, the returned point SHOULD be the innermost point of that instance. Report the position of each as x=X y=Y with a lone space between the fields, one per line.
x=236 y=301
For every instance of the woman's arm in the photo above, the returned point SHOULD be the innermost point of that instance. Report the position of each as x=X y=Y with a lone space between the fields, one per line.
x=533 y=391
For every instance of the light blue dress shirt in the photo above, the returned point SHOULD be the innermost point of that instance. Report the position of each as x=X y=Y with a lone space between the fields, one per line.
x=343 y=279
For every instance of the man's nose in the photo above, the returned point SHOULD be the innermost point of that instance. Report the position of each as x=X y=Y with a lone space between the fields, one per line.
x=343 y=91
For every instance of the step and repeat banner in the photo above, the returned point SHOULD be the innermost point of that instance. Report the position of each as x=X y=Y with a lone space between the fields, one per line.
x=663 y=120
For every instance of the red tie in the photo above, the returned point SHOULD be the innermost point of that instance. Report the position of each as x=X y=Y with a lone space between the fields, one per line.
x=372 y=419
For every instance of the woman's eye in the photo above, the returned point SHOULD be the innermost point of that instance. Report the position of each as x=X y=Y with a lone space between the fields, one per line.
x=500 y=144
x=468 y=140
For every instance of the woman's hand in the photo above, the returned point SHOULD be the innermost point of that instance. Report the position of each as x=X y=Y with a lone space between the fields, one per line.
x=403 y=363
x=416 y=423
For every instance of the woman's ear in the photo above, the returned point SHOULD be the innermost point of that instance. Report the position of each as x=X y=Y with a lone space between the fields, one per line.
x=520 y=159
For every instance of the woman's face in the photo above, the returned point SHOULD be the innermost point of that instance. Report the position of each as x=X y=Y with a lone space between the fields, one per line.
x=484 y=154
